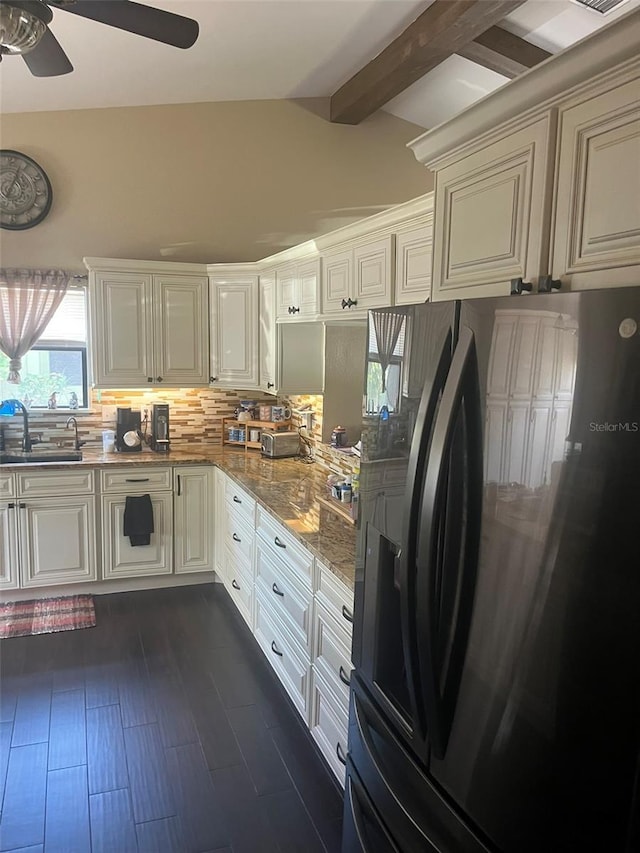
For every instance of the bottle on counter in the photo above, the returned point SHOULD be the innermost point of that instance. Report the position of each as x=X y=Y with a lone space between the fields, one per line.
x=345 y=492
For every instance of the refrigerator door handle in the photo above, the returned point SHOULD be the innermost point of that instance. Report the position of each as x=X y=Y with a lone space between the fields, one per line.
x=434 y=558
x=406 y=559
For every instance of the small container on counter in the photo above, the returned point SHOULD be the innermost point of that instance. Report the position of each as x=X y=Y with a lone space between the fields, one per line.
x=345 y=492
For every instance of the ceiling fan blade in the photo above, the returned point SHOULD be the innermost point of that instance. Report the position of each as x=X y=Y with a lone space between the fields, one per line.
x=136 y=18
x=47 y=59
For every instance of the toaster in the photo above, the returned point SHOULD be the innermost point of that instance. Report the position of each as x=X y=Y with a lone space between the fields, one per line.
x=277 y=445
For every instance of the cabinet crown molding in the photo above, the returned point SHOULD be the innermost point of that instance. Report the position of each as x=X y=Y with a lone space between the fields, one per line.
x=541 y=87
x=157 y=267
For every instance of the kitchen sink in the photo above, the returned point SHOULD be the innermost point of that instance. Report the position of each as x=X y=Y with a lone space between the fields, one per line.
x=8 y=458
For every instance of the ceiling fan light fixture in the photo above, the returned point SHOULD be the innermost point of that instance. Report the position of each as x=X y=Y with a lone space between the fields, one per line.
x=22 y=25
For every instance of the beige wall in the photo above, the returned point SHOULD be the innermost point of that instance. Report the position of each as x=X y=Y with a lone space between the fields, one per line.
x=210 y=182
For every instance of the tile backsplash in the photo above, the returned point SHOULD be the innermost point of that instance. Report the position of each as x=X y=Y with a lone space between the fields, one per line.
x=195 y=416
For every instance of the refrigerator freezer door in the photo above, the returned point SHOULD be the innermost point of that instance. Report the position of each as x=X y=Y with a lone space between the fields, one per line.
x=544 y=744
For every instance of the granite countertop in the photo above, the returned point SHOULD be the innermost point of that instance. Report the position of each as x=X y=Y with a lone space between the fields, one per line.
x=287 y=488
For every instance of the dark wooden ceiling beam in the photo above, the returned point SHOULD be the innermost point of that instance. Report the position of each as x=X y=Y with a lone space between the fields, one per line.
x=503 y=52
x=443 y=29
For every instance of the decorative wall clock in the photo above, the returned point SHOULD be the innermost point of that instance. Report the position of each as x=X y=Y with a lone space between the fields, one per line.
x=25 y=191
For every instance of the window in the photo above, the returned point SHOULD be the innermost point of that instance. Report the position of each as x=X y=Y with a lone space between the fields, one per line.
x=58 y=362
x=376 y=397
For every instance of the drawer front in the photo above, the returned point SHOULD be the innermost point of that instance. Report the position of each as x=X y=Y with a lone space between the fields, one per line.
x=239 y=537
x=285 y=547
x=72 y=481
x=336 y=598
x=329 y=724
x=241 y=502
x=332 y=653
x=136 y=480
x=240 y=587
x=287 y=600
x=279 y=650
x=7 y=486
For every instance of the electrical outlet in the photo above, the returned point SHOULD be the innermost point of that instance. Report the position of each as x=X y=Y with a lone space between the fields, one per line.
x=109 y=414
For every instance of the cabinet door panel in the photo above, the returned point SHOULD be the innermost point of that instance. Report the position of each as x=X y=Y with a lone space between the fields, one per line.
x=373 y=266
x=57 y=538
x=502 y=341
x=235 y=321
x=337 y=272
x=193 y=517
x=8 y=546
x=414 y=251
x=123 y=560
x=267 y=333
x=495 y=437
x=597 y=221
x=545 y=371
x=539 y=424
x=493 y=205
x=308 y=284
x=122 y=330
x=517 y=433
x=182 y=330
x=524 y=354
x=286 y=290
x=328 y=724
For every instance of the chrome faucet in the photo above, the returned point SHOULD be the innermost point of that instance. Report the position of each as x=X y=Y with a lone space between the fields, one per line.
x=27 y=441
x=78 y=444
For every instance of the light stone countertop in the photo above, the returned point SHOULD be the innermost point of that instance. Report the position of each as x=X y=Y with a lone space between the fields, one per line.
x=287 y=488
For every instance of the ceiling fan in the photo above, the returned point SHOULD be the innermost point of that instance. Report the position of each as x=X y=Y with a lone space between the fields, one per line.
x=24 y=28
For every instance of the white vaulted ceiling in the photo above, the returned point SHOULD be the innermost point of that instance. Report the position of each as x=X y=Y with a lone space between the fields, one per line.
x=272 y=49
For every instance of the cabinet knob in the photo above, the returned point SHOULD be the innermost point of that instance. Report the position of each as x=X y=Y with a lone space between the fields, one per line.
x=149 y=378
x=345 y=304
x=235 y=584
x=352 y=302
x=270 y=384
x=213 y=379
x=518 y=286
x=159 y=379
x=546 y=284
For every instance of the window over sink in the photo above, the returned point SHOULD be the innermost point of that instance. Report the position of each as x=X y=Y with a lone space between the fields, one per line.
x=57 y=363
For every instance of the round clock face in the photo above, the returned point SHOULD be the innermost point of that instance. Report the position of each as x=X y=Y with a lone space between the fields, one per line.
x=25 y=191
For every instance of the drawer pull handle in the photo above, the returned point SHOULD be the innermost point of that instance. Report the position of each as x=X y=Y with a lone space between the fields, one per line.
x=344 y=678
x=279 y=543
x=137 y=480
x=11 y=505
x=236 y=499
x=235 y=584
x=179 y=486
x=236 y=538
x=275 y=649
x=22 y=505
x=276 y=590
x=348 y=615
x=340 y=754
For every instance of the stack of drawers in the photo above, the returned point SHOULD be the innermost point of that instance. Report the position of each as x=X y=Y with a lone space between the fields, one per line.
x=331 y=671
x=238 y=530
x=284 y=596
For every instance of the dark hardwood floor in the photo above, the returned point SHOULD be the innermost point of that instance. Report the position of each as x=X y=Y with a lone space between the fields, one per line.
x=161 y=730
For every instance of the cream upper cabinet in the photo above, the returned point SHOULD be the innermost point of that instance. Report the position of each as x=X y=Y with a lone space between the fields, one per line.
x=297 y=286
x=337 y=277
x=414 y=251
x=234 y=325
x=597 y=197
x=268 y=368
x=182 y=330
x=492 y=215
x=358 y=278
x=147 y=328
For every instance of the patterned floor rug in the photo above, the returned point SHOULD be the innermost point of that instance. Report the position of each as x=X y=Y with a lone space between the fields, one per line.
x=46 y=615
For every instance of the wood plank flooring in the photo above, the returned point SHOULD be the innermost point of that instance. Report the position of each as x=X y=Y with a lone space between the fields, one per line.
x=161 y=730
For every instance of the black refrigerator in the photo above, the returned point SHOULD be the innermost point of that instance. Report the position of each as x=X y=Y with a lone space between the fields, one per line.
x=495 y=700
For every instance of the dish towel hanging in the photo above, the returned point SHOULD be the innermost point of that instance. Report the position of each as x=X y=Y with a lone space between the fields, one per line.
x=138 y=519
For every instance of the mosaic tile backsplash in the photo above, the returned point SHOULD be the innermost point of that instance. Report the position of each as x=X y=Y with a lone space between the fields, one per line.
x=195 y=415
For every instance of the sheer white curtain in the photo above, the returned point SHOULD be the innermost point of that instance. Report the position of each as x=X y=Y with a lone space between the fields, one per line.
x=387 y=326
x=28 y=301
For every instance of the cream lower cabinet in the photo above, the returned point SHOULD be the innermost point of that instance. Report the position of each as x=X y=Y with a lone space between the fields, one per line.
x=234 y=330
x=121 y=559
x=193 y=508
x=149 y=326
x=48 y=530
